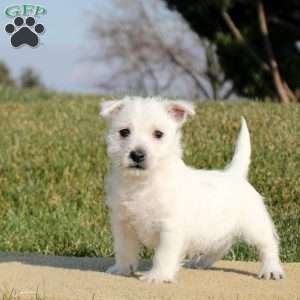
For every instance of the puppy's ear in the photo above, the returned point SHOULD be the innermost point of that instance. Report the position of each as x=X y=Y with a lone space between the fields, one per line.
x=109 y=107
x=179 y=110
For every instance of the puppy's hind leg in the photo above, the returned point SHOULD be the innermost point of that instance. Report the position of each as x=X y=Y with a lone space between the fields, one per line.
x=205 y=261
x=263 y=235
x=269 y=253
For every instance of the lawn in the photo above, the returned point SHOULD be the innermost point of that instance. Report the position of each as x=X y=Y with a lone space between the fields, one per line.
x=53 y=164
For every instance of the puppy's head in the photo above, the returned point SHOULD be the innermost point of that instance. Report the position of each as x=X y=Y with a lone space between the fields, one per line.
x=143 y=132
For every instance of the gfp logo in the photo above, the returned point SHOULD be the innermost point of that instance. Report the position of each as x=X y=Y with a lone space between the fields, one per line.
x=24 y=30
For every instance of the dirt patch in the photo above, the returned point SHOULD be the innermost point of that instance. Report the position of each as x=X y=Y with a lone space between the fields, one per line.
x=83 y=278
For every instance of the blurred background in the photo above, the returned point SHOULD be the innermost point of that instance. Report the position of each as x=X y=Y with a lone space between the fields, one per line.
x=217 y=49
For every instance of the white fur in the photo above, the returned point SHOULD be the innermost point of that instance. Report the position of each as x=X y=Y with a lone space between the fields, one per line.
x=173 y=208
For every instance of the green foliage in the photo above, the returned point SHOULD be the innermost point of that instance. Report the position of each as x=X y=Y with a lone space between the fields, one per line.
x=30 y=79
x=13 y=295
x=5 y=78
x=53 y=163
x=205 y=18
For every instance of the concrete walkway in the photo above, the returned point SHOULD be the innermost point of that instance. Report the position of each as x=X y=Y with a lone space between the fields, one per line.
x=83 y=278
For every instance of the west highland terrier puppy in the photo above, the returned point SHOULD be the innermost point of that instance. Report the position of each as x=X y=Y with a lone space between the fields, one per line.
x=157 y=201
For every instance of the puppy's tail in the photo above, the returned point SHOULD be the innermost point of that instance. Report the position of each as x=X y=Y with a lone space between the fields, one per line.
x=241 y=158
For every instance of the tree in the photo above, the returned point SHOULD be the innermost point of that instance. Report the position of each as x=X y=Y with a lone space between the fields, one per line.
x=30 y=79
x=255 y=40
x=5 y=78
x=147 y=49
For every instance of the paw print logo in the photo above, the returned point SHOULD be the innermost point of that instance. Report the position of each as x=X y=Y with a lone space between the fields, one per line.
x=24 y=33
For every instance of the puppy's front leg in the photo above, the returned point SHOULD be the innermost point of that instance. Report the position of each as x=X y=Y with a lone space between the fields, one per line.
x=166 y=259
x=126 y=247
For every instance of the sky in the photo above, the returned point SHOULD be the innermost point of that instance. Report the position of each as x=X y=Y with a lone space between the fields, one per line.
x=60 y=57
x=63 y=57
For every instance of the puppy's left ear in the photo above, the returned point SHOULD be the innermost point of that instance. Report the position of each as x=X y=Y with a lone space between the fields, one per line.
x=110 y=107
x=180 y=110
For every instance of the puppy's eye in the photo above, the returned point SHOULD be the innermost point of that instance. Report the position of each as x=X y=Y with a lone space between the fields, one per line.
x=158 y=134
x=124 y=132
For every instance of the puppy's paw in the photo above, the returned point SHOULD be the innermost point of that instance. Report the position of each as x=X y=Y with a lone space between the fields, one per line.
x=271 y=271
x=120 y=270
x=202 y=262
x=191 y=264
x=154 y=276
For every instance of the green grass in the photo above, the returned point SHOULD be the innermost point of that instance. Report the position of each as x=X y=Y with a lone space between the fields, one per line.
x=13 y=295
x=53 y=162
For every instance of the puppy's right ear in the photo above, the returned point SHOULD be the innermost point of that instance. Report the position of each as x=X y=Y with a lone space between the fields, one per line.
x=109 y=107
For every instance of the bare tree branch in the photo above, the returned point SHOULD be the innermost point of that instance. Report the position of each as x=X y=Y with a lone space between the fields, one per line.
x=140 y=57
x=284 y=97
x=237 y=34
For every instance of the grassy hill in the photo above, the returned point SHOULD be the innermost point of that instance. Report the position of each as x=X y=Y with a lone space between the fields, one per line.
x=53 y=162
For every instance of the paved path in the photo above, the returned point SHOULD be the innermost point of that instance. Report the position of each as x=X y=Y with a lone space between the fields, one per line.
x=83 y=278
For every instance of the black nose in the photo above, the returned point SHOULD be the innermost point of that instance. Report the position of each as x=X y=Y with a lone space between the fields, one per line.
x=137 y=155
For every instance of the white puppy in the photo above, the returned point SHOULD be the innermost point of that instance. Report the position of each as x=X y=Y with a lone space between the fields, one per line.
x=157 y=201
